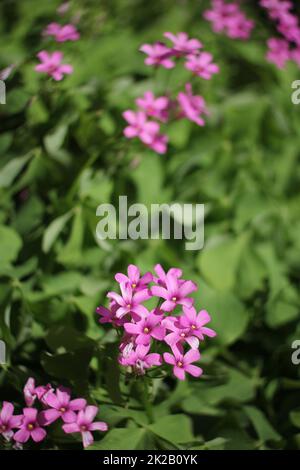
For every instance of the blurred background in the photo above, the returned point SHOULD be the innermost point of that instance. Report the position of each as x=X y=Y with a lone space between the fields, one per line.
x=62 y=153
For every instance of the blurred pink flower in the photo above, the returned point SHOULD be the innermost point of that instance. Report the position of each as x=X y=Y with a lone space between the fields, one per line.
x=139 y=126
x=202 y=65
x=182 y=44
x=52 y=66
x=229 y=18
x=154 y=107
x=278 y=52
x=158 y=54
x=84 y=424
x=192 y=106
x=61 y=33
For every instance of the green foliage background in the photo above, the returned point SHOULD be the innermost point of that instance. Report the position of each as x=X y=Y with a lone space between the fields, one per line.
x=62 y=154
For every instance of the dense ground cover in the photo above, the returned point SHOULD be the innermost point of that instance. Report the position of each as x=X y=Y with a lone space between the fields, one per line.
x=63 y=153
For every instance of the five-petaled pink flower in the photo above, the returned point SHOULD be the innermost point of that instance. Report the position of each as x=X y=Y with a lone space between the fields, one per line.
x=84 y=424
x=31 y=426
x=158 y=54
x=182 y=45
x=64 y=33
x=61 y=406
x=51 y=64
x=147 y=328
x=134 y=278
x=130 y=301
x=9 y=421
x=192 y=106
x=183 y=363
x=175 y=293
x=202 y=65
x=140 y=127
x=154 y=107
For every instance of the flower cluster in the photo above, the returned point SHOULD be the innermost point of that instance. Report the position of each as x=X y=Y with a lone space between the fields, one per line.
x=145 y=123
x=52 y=63
x=229 y=19
x=54 y=404
x=168 y=333
x=280 y=50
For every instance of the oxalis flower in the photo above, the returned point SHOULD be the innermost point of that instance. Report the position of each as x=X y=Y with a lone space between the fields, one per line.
x=64 y=33
x=61 y=406
x=84 y=424
x=191 y=106
x=147 y=334
x=182 y=44
x=183 y=363
x=202 y=65
x=51 y=64
x=158 y=55
x=9 y=421
x=31 y=427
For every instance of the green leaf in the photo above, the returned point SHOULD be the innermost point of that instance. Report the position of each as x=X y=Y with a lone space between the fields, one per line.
x=11 y=170
x=53 y=230
x=10 y=245
x=121 y=439
x=219 y=262
x=261 y=425
x=173 y=428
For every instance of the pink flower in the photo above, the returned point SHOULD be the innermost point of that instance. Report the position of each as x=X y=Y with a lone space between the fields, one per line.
x=162 y=275
x=129 y=302
x=159 y=143
x=276 y=7
x=139 y=126
x=84 y=424
x=182 y=44
x=175 y=293
x=188 y=328
x=64 y=33
x=228 y=18
x=31 y=392
x=31 y=427
x=52 y=66
x=8 y=421
x=192 y=106
x=139 y=359
x=154 y=107
x=202 y=65
x=134 y=278
x=158 y=54
x=278 y=52
x=147 y=328
x=183 y=363
x=108 y=315
x=62 y=406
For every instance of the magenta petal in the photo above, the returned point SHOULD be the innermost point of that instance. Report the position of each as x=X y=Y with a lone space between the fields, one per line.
x=90 y=412
x=77 y=404
x=158 y=333
x=52 y=400
x=191 y=356
x=132 y=328
x=22 y=436
x=30 y=414
x=49 y=416
x=98 y=426
x=70 y=428
x=38 y=434
x=69 y=416
x=194 y=370
x=169 y=358
x=179 y=373
x=6 y=412
x=87 y=438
